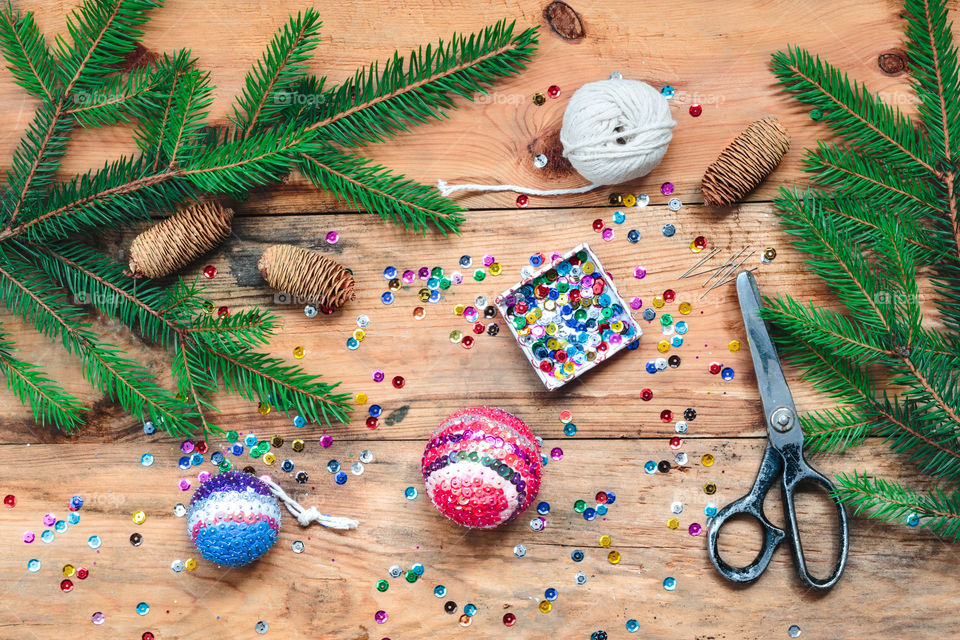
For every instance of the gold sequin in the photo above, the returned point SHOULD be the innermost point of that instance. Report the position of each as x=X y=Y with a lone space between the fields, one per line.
x=269 y=458
x=613 y=557
x=495 y=269
x=394 y=285
x=263 y=408
x=605 y=541
x=658 y=302
x=299 y=352
x=459 y=309
x=734 y=346
x=359 y=335
x=710 y=488
x=360 y=398
x=545 y=606
x=673 y=523
x=707 y=460
x=139 y=517
x=190 y=564
x=629 y=200
x=663 y=346
x=685 y=308
x=69 y=570
x=297 y=445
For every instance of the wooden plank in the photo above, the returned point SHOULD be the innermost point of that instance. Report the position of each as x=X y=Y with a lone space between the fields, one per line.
x=442 y=377
x=700 y=52
x=329 y=590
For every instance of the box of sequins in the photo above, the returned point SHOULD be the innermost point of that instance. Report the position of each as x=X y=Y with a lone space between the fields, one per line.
x=568 y=317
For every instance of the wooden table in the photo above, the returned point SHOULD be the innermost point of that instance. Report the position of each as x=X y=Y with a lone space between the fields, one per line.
x=899 y=582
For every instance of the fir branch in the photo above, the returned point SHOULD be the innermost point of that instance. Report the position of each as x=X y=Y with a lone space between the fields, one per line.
x=103 y=32
x=260 y=377
x=28 y=58
x=852 y=111
x=858 y=175
x=250 y=328
x=195 y=385
x=373 y=105
x=377 y=190
x=123 y=96
x=31 y=385
x=893 y=502
x=262 y=102
x=836 y=429
x=187 y=116
x=826 y=329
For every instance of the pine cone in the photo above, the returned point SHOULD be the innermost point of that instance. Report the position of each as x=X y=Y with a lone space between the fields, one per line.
x=745 y=162
x=173 y=243
x=307 y=275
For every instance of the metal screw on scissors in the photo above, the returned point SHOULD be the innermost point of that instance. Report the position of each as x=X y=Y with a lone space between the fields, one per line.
x=782 y=460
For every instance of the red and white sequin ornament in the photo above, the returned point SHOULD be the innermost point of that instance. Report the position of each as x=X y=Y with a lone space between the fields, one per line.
x=482 y=467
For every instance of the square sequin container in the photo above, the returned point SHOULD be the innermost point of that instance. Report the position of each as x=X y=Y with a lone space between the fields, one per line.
x=568 y=317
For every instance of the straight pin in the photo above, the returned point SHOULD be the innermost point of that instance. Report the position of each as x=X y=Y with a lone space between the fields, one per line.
x=725 y=264
x=714 y=251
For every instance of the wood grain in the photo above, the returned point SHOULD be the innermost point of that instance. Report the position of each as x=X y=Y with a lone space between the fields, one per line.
x=899 y=582
x=329 y=590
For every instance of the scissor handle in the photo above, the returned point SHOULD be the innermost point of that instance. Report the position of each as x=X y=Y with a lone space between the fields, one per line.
x=751 y=505
x=796 y=471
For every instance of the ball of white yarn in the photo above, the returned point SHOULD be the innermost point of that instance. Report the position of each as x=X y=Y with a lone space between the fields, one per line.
x=616 y=130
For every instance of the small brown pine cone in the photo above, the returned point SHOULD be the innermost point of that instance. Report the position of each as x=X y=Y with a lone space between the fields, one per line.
x=745 y=162
x=307 y=275
x=173 y=243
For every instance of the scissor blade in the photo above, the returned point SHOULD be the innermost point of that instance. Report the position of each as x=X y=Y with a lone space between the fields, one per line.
x=781 y=415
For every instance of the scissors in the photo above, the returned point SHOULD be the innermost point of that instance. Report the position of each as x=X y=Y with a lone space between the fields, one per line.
x=782 y=460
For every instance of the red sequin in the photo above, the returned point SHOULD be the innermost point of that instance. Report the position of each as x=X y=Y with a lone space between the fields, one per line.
x=222 y=312
x=598 y=225
x=523 y=201
x=553 y=91
x=715 y=367
x=666 y=415
x=82 y=573
x=669 y=295
x=478 y=328
x=467 y=341
x=546 y=366
x=700 y=242
x=10 y=500
x=210 y=271
x=695 y=110
x=521 y=307
x=147 y=636
x=66 y=586
x=372 y=423
x=676 y=442
x=646 y=395
x=398 y=382
x=602 y=497
x=509 y=619
x=200 y=446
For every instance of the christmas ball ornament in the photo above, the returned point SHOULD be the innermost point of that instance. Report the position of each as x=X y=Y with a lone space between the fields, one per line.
x=233 y=519
x=482 y=467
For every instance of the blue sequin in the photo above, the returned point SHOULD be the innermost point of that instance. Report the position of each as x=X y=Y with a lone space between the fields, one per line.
x=681 y=327
x=470 y=609
x=913 y=520
x=439 y=591
x=727 y=373
x=146 y=459
x=536 y=260
x=417 y=568
x=389 y=273
x=550 y=594
x=250 y=440
x=73 y=517
x=633 y=625
x=633 y=236
x=651 y=366
x=601 y=509
x=667 y=91
x=375 y=410
x=650 y=467
x=217 y=458
x=47 y=536
x=60 y=526
x=670 y=584
x=286 y=466
x=649 y=314
x=465 y=261
x=410 y=493
x=352 y=343
x=619 y=217
x=386 y=297
x=196 y=458
x=611 y=497
x=543 y=508
x=333 y=466
x=710 y=510
x=76 y=502
x=569 y=429
x=236 y=449
x=148 y=428
x=576 y=555
x=184 y=463
x=341 y=477
x=669 y=230
x=589 y=513
x=434 y=297
x=299 y=422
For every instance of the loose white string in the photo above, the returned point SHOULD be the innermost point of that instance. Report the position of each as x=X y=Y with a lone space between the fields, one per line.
x=307 y=516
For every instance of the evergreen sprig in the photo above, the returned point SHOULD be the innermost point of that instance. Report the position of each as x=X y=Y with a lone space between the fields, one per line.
x=883 y=213
x=51 y=279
